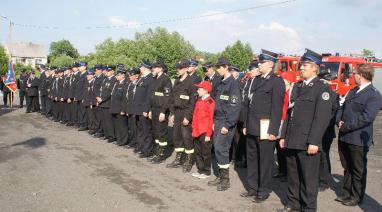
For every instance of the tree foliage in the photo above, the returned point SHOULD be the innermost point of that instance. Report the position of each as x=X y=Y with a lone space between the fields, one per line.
x=63 y=60
x=153 y=45
x=239 y=54
x=3 y=61
x=368 y=53
x=62 y=47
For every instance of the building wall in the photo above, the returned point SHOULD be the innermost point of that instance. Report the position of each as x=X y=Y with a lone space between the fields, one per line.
x=28 y=61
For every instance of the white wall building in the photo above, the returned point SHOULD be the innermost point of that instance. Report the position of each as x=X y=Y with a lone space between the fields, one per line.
x=26 y=53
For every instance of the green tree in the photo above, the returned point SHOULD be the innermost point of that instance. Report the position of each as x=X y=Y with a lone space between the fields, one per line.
x=63 y=60
x=157 y=44
x=62 y=47
x=368 y=53
x=239 y=54
x=3 y=61
x=19 y=67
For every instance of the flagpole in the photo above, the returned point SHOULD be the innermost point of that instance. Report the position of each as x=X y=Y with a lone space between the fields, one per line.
x=11 y=99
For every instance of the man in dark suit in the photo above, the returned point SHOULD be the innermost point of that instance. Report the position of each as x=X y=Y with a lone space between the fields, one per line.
x=32 y=89
x=306 y=122
x=264 y=105
x=212 y=77
x=22 y=86
x=355 y=121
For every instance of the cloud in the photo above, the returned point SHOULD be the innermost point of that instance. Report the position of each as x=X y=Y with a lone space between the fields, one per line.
x=220 y=1
x=118 y=21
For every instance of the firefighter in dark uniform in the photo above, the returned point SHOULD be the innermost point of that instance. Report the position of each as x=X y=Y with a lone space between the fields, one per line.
x=73 y=105
x=302 y=134
x=79 y=96
x=44 y=86
x=195 y=78
x=116 y=107
x=226 y=114
x=97 y=84
x=54 y=95
x=128 y=108
x=212 y=77
x=181 y=107
x=32 y=90
x=22 y=86
x=246 y=83
x=65 y=96
x=265 y=105
x=89 y=100
x=355 y=121
x=103 y=101
x=159 y=109
x=141 y=105
x=49 y=85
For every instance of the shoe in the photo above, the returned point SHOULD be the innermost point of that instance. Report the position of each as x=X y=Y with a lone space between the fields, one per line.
x=82 y=129
x=91 y=132
x=224 y=183
x=177 y=161
x=161 y=157
x=203 y=176
x=350 y=202
x=287 y=209
x=260 y=199
x=341 y=198
x=248 y=194
x=21 y=106
x=98 y=135
x=110 y=140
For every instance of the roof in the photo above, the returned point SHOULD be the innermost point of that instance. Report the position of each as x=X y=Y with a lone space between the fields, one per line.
x=30 y=49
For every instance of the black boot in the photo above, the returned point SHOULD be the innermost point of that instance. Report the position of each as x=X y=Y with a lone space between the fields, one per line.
x=177 y=162
x=224 y=181
x=155 y=153
x=216 y=181
x=161 y=157
x=187 y=166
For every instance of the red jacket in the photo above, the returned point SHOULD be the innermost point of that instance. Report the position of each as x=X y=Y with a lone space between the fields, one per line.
x=203 y=117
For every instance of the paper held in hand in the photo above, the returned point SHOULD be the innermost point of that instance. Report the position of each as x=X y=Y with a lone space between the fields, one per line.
x=264 y=125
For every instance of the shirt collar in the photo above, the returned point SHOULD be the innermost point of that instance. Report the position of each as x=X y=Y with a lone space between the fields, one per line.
x=205 y=96
x=361 y=87
x=306 y=82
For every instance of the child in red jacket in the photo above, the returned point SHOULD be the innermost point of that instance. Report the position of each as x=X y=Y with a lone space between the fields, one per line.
x=202 y=122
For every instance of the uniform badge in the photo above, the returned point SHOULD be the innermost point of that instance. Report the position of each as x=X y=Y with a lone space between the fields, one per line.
x=325 y=96
x=224 y=97
x=185 y=97
x=310 y=84
x=166 y=90
x=234 y=99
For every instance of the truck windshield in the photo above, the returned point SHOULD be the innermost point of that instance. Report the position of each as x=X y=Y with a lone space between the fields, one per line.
x=329 y=70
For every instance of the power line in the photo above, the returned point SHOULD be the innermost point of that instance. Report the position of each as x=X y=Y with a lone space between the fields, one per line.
x=172 y=20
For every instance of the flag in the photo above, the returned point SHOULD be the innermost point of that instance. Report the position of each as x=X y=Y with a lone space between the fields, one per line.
x=9 y=79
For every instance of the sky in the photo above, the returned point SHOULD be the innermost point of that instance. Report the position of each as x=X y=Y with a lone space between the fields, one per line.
x=326 y=26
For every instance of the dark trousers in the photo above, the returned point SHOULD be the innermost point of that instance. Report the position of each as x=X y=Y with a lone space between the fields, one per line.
x=121 y=128
x=354 y=161
x=33 y=104
x=144 y=134
x=281 y=158
x=92 y=118
x=107 y=123
x=5 y=98
x=159 y=128
x=302 y=174
x=203 y=154
x=238 y=148
x=22 y=95
x=222 y=143
x=73 y=112
x=325 y=166
x=260 y=159
x=132 y=130
x=44 y=100
x=66 y=111
x=98 y=113
x=55 y=110
x=61 y=109
x=182 y=135
x=82 y=117
x=49 y=104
